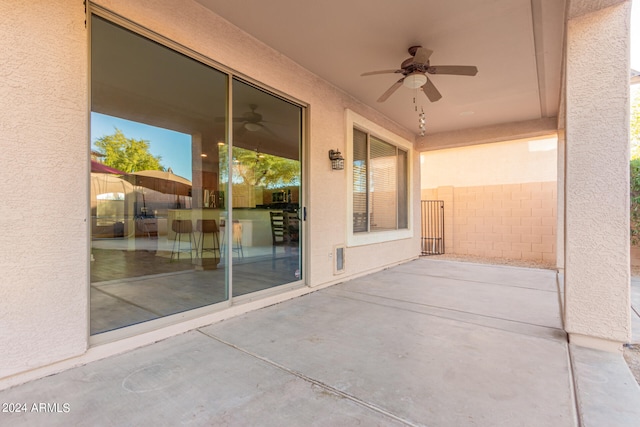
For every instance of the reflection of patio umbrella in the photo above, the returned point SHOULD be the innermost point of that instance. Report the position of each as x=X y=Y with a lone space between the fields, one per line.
x=102 y=168
x=163 y=181
x=109 y=187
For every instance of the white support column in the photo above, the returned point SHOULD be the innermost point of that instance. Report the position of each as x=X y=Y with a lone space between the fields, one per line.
x=597 y=301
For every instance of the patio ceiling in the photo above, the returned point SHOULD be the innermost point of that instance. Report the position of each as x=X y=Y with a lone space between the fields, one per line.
x=516 y=44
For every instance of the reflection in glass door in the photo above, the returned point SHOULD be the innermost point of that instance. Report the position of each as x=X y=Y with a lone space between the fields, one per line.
x=266 y=182
x=165 y=235
x=156 y=194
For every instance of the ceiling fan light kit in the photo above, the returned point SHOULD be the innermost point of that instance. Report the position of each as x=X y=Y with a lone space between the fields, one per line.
x=414 y=80
x=414 y=71
x=252 y=127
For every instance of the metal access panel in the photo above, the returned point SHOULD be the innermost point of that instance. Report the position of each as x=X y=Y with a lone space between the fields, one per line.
x=432 y=227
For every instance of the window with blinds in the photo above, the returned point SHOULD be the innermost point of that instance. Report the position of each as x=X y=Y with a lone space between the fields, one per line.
x=379 y=184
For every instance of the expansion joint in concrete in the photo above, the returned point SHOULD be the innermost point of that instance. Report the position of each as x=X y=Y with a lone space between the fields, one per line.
x=315 y=382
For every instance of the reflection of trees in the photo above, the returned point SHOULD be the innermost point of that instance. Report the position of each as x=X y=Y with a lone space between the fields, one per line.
x=127 y=154
x=360 y=194
x=635 y=167
x=258 y=169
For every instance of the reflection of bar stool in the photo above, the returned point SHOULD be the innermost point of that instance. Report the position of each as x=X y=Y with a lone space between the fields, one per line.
x=236 y=237
x=208 y=226
x=180 y=227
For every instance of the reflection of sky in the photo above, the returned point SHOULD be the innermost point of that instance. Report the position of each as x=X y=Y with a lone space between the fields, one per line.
x=173 y=147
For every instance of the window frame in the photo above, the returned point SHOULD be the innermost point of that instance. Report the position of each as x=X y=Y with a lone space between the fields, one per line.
x=354 y=120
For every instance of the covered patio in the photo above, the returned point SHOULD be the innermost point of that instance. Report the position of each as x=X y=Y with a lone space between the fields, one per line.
x=396 y=340
x=430 y=342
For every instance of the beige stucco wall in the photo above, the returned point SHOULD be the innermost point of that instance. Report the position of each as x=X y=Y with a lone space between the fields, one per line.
x=45 y=175
x=45 y=240
x=597 y=278
x=500 y=199
x=508 y=162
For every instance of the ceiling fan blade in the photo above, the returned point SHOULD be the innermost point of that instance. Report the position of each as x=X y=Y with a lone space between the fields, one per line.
x=422 y=55
x=371 y=73
x=430 y=90
x=457 y=70
x=390 y=91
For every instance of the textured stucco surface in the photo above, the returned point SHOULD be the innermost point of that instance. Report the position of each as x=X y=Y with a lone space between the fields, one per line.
x=509 y=162
x=582 y=7
x=43 y=135
x=597 y=175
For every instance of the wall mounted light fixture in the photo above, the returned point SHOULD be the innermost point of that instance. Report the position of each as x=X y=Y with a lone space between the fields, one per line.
x=337 y=161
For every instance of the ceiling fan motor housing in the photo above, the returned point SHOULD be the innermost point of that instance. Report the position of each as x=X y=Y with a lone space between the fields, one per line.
x=408 y=66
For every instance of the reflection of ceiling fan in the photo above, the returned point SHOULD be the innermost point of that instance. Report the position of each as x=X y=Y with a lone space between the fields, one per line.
x=249 y=121
x=415 y=69
x=252 y=121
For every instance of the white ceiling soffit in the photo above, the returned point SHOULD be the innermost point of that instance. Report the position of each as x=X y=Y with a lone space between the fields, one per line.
x=516 y=44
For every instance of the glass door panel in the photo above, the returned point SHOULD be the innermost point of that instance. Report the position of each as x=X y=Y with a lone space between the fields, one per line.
x=157 y=196
x=266 y=179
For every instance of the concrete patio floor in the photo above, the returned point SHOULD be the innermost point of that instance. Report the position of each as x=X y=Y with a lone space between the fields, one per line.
x=430 y=342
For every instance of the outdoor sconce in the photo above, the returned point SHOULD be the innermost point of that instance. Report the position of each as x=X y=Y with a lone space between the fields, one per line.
x=337 y=161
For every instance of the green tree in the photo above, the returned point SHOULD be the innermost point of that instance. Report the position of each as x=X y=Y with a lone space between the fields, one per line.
x=127 y=154
x=635 y=201
x=255 y=168
x=635 y=167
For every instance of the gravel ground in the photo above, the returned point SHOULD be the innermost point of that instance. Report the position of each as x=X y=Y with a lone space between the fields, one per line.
x=499 y=261
x=631 y=351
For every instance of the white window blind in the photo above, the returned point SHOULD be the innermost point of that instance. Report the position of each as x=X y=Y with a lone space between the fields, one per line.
x=382 y=185
x=379 y=184
x=360 y=210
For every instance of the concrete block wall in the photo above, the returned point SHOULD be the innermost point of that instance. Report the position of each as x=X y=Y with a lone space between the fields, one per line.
x=513 y=221
x=635 y=256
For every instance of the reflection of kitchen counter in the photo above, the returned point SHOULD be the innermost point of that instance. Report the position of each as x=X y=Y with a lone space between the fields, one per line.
x=260 y=223
x=256 y=223
x=194 y=215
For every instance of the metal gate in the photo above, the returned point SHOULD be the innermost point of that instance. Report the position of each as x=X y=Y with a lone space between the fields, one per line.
x=432 y=227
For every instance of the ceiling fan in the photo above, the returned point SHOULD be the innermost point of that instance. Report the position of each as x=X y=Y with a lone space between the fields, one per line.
x=415 y=69
x=249 y=121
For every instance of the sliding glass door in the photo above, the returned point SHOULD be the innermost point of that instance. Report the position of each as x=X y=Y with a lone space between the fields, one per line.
x=195 y=196
x=266 y=177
